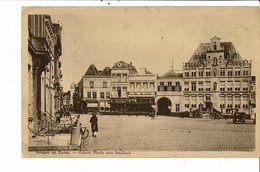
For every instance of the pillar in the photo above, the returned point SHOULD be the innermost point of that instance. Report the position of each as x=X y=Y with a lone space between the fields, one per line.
x=35 y=98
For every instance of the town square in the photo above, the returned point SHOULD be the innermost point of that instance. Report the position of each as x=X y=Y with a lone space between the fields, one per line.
x=89 y=89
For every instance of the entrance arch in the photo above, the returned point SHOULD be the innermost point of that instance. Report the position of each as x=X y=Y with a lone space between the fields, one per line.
x=163 y=106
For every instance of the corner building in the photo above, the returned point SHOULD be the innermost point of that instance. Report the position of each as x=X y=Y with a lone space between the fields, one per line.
x=216 y=75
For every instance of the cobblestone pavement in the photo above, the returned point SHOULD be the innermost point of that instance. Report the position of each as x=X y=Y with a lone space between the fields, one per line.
x=132 y=133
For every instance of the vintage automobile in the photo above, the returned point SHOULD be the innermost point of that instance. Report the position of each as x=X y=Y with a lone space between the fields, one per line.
x=238 y=117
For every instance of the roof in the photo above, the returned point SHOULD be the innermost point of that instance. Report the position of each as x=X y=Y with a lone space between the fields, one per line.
x=214 y=38
x=171 y=74
x=124 y=65
x=92 y=70
x=203 y=48
x=106 y=71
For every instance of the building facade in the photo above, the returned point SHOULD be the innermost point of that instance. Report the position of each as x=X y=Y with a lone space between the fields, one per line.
x=169 y=93
x=96 y=89
x=44 y=73
x=216 y=77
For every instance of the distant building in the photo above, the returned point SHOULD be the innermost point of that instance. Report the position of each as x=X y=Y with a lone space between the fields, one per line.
x=66 y=101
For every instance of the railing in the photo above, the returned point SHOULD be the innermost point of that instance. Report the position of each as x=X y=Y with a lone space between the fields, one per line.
x=48 y=125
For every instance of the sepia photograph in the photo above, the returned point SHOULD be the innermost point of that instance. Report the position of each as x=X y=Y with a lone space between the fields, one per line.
x=140 y=81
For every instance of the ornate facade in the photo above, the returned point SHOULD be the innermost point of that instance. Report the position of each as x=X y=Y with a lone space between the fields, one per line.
x=44 y=73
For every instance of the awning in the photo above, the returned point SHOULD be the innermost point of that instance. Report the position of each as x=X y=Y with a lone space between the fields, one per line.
x=92 y=105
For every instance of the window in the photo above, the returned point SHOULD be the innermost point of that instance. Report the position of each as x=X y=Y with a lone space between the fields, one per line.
x=200 y=73
x=177 y=83
x=91 y=83
x=187 y=105
x=152 y=85
x=237 y=106
x=161 y=83
x=215 y=47
x=245 y=106
x=229 y=106
x=200 y=100
x=118 y=78
x=208 y=73
x=132 y=85
x=193 y=74
x=237 y=86
x=230 y=73
x=222 y=106
x=245 y=89
x=245 y=72
x=193 y=105
x=193 y=86
x=169 y=83
x=186 y=86
x=145 y=85
x=222 y=89
x=207 y=98
x=237 y=73
x=229 y=88
x=200 y=85
x=245 y=86
x=107 y=94
x=222 y=85
x=208 y=83
x=222 y=72
x=102 y=95
x=124 y=79
x=177 y=107
x=89 y=94
x=138 y=85
x=94 y=95
x=229 y=85
x=104 y=84
x=186 y=74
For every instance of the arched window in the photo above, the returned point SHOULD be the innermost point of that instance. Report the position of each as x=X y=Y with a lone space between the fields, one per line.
x=215 y=47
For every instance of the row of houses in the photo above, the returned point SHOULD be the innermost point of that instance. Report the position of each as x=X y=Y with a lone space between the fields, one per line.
x=44 y=70
x=215 y=76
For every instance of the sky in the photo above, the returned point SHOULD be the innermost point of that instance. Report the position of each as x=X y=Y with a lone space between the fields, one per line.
x=149 y=37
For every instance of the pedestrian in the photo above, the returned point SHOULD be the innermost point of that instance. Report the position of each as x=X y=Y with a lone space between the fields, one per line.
x=94 y=124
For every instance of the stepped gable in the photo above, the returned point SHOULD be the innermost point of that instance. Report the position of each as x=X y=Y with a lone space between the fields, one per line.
x=92 y=70
x=227 y=47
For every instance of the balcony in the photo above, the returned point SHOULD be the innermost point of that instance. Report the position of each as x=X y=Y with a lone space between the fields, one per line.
x=40 y=47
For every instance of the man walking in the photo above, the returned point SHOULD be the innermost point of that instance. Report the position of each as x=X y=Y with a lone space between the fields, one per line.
x=94 y=124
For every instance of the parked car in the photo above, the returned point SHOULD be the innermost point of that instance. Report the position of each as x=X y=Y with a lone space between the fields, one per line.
x=239 y=117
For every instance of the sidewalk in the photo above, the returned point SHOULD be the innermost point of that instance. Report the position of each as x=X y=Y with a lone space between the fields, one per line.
x=58 y=142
